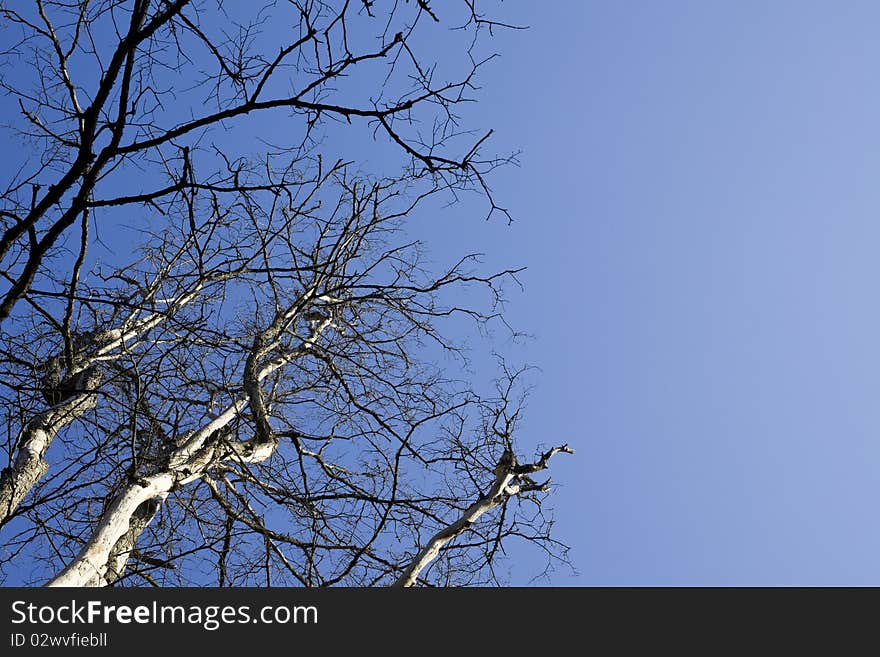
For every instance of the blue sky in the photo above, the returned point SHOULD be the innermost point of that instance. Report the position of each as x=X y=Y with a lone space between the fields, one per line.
x=698 y=207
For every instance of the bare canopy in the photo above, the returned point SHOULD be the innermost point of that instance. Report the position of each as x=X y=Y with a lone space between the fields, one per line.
x=224 y=360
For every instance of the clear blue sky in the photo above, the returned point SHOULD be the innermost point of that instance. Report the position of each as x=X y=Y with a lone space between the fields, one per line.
x=699 y=208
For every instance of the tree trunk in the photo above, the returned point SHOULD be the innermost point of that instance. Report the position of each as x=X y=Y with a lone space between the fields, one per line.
x=30 y=463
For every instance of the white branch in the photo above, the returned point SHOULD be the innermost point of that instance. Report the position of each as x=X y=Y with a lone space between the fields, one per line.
x=37 y=435
x=34 y=439
x=188 y=463
x=503 y=488
x=90 y=565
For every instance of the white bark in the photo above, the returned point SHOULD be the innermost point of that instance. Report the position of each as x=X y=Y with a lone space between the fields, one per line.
x=508 y=483
x=90 y=565
x=29 y=464
x=189 y=462
x=33 y=441
x=125 y=546
x=496 y=495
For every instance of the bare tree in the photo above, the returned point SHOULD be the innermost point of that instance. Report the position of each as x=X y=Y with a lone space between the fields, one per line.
x=252 y=396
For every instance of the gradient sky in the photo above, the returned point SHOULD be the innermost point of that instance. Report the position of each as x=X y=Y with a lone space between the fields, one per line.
x=699 y=208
